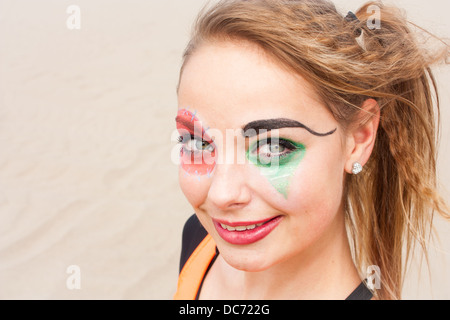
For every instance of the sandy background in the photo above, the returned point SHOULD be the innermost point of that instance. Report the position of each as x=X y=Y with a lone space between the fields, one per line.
x=85 y=123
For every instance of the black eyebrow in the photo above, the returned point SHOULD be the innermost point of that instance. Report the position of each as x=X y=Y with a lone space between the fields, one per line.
x=253 y=127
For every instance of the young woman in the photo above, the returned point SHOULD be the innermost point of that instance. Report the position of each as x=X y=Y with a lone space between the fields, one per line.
x=308 y=151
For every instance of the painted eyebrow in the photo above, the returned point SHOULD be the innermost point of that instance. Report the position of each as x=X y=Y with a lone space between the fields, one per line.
x=184 y=122
x=251 y=129
x=187 y=123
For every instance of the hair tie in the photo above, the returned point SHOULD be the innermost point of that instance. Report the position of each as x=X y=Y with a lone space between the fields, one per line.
x=351 y=17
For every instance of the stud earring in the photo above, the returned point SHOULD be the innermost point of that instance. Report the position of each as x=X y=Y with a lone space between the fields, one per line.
x=357 y=168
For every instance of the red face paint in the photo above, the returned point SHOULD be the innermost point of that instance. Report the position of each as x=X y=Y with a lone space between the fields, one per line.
x=198 y=151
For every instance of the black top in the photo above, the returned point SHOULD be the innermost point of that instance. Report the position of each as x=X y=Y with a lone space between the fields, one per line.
x=194 y=233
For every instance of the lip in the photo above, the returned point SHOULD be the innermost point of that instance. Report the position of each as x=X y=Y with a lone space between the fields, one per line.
x=247 y=236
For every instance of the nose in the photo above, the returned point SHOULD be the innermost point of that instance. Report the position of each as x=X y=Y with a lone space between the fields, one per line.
x=229 y=189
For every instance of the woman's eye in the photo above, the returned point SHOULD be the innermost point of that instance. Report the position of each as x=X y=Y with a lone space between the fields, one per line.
x=269 y=152
x=272 y=148
x=193 y=144
x=201 y=144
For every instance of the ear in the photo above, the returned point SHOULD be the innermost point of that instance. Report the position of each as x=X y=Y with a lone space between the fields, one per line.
x=361 y=137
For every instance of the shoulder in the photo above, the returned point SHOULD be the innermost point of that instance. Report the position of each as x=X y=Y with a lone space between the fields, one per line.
x=193 y=234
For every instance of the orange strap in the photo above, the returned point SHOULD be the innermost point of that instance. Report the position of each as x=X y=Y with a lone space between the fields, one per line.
x=194 y=270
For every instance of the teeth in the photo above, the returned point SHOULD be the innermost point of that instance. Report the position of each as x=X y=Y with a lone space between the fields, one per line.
x=228 y=227
x=241 y=228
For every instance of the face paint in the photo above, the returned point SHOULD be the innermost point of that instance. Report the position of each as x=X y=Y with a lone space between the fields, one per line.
x=277 y=160
x=197 y=153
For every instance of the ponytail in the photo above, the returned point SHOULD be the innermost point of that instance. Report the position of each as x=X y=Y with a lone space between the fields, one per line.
x=393 y=202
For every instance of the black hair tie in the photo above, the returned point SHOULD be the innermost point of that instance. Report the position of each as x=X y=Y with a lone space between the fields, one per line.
x=351 y=17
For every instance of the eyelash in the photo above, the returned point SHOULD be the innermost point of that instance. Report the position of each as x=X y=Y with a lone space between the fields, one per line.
x=186 y=138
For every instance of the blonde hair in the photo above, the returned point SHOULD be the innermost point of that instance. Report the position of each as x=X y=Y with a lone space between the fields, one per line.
x=391 y=203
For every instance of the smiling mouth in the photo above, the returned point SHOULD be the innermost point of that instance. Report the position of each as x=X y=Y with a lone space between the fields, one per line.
x=242 y=233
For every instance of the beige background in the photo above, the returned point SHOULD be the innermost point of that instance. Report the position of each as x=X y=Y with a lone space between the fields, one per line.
x=85 y=172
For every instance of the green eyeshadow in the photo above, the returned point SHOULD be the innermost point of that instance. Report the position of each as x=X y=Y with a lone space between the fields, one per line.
x=279 y=170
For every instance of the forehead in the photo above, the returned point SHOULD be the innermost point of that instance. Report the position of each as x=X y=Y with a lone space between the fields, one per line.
x=232 y=83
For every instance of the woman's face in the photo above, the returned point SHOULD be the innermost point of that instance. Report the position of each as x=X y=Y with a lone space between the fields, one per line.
x=262 y=159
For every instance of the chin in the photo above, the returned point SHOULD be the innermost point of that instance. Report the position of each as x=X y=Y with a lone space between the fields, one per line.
x=247 y=260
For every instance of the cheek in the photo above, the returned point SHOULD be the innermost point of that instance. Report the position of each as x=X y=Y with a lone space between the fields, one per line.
x=195 y=187
x=315 y=197
x=317 y=188
x=197 y=165
x=194 y=175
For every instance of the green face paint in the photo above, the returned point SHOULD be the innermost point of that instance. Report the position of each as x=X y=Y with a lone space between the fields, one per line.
x=277 y=160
